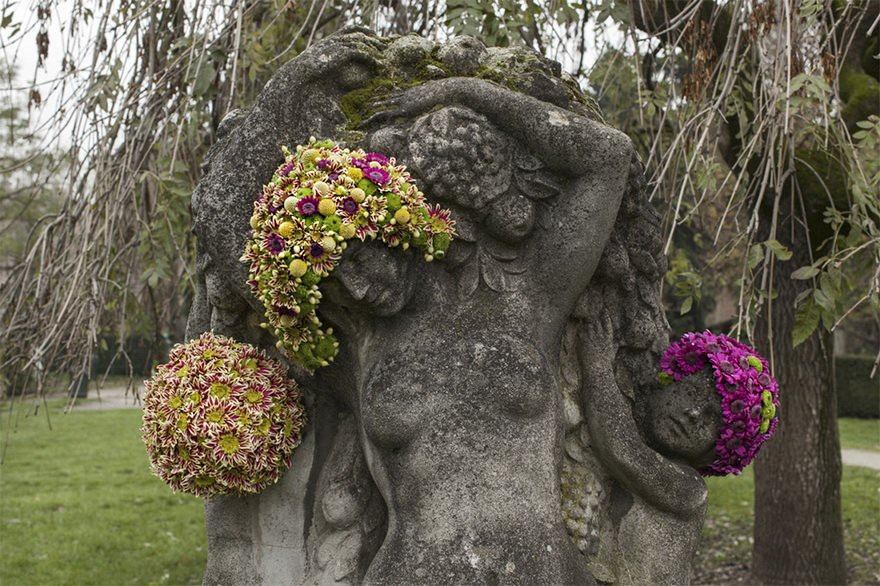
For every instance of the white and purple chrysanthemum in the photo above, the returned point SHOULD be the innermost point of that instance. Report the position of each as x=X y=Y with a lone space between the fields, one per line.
x=220 y=418
x=321 y=196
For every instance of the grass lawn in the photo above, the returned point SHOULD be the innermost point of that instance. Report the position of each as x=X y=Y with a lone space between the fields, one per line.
x=80 y=506
x=859 y=434
x=725 y=554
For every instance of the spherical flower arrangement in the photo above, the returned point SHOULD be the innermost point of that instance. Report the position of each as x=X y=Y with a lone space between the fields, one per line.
x=321 y=197
x=749 y=394
x=220 y=417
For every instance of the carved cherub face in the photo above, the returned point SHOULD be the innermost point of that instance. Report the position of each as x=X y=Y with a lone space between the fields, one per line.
x=371 y=278
x=683 y=419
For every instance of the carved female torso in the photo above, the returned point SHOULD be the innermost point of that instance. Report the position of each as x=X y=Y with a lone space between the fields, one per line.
x=458 y=400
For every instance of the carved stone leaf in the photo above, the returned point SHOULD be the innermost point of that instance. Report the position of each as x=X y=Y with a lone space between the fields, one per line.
x=527 y=161
x=493 y=275
x=500 y=251
x=500 y=275
x=468 y=279
x=538 y=184
x=465 y=229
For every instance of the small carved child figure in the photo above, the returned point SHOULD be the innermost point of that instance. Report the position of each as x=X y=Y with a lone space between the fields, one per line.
x=682 y=419
x=714 y=406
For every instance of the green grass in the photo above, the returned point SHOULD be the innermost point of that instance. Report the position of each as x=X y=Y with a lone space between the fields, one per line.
x=859 y=434
x=727 y=535
x=80 y=506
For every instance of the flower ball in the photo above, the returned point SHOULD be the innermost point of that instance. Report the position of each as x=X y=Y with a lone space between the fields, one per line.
x=748 y=393
x=220 y=418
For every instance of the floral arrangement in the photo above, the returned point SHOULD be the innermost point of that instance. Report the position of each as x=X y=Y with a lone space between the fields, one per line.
x=220 y=417
x=749 y=395
x=318 y=199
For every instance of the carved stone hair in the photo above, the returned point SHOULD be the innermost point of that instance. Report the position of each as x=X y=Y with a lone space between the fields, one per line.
x=627 y=285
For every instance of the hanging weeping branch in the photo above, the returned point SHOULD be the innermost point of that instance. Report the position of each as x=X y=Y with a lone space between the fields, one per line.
x=142 y=89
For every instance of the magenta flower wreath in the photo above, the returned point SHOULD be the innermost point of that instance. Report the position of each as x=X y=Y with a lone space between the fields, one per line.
x=749 y=394
x=320 y=198
x=220 y=418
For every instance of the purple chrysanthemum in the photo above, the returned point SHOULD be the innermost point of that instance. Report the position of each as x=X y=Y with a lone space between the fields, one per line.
x=275 y=243
x=377 y=158
x=350 y=206
x=377 y=175
x=323 y=163
x=316 y=250
x=307 y=206
x=749 y=394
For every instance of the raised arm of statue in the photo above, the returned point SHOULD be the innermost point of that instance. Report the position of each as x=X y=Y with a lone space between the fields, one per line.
x=668 y=485
x=566 y=142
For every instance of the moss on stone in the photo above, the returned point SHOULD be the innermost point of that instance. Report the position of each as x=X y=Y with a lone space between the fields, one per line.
x=357 y=104
x=520 y=72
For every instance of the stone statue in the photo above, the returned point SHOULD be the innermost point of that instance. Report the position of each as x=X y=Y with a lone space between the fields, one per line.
x=484 y=421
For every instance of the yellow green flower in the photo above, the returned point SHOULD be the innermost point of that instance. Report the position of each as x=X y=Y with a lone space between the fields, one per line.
x=229 y=443
x=220 y=390
x=755 y=363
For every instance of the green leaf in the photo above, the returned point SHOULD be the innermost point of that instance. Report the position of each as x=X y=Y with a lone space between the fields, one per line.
x=204 y=80
x=756 y=255
x=686 y=305
x=779 y=250
x=806 y=319
x=804 y=273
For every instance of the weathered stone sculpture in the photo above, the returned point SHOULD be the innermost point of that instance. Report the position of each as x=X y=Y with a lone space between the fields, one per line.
x=477 y=425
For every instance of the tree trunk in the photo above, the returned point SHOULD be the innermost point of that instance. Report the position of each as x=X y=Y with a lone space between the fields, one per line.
x=798 y=524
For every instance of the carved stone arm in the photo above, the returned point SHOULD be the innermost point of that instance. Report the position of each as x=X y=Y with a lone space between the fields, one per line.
x=664 y=484
x=567 y=143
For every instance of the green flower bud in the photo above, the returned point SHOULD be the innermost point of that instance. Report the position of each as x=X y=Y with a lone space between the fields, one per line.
x=368 y=186
x=442 y=241
x=664 y=378
x=393 y=202
x=333 y=223
x=325 y=348
x=755 y=363
x=311 y=278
